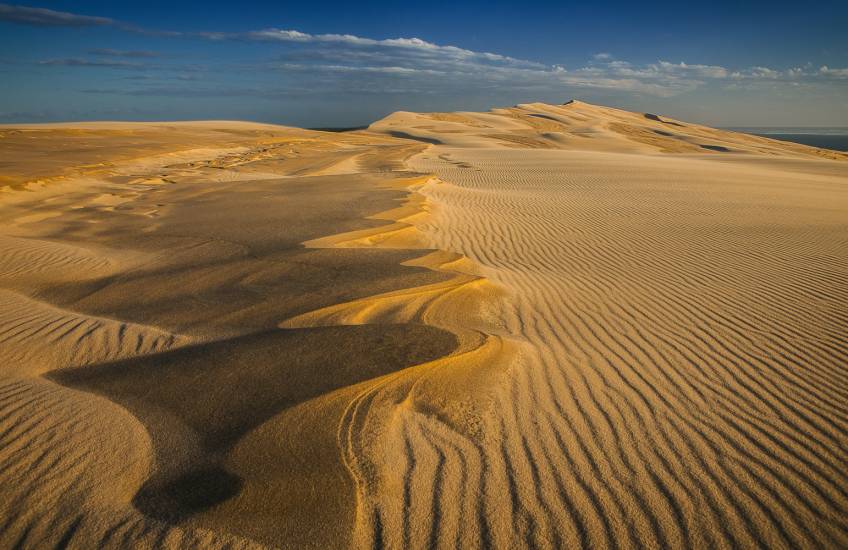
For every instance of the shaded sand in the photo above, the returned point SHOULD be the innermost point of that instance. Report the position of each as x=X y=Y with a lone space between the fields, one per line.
x=148 y=291
x=544 y=326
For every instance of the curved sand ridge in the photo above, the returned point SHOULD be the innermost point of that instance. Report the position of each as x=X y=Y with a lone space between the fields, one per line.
x=76 y=460
x=421 y=430
x=682 y=319
x=624 y=331
x=72 y=462
x=36 y=337
x=146 y=283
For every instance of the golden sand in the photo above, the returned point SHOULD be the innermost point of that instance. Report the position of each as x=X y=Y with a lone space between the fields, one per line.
x=543 y=326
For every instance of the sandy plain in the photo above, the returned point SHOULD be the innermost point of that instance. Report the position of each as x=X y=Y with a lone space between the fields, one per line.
x=543 y=326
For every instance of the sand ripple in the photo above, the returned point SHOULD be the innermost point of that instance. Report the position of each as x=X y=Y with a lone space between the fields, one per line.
x=683 y=373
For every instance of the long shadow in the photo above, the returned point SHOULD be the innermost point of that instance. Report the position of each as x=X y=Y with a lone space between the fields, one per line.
x=651 y=116
x=537 y=115
x=718 y=148
x=198 y=401
x=404 y=135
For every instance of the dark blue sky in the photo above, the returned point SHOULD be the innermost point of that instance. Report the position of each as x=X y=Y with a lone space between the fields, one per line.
x=347 y=63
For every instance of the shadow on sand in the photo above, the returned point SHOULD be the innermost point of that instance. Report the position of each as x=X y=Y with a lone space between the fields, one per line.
x=197 y=402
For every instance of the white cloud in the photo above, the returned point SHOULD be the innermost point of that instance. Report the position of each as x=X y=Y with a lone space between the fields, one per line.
x=410 y=44
x=763 y=72
x=836 y=73
x=346 y=61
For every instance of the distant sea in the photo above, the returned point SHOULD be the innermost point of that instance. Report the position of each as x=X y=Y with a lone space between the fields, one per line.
x=828 y=138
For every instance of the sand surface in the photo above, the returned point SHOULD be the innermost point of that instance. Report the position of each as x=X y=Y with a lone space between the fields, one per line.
x=544 y=326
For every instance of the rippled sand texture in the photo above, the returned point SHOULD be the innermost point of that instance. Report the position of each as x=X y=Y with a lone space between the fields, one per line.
x=148 y=394
x=678 y=297
x=544 y=326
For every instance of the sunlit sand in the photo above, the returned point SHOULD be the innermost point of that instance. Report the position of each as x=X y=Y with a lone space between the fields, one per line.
x=543 y=326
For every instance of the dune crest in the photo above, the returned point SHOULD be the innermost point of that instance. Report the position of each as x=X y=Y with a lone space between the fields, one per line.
x=136 y=271
x=581 y=126
x=541 y=326
x=675 y=292
x=395 y=420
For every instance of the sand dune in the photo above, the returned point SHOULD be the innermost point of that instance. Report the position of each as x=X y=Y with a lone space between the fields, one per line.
x=581 y=126
x=42 y=337
x=682 y=319
x=171 y=262
x=543 y=326
x=32 y=260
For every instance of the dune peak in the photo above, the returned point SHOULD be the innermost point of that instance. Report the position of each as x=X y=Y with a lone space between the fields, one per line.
x=577 y=125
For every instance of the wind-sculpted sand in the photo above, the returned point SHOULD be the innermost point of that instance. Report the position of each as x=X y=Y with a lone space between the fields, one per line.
x=148 y=396
x=544 y=326
x=681 y=320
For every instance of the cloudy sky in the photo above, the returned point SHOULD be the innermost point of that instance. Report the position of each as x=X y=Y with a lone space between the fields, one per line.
x=349 y=63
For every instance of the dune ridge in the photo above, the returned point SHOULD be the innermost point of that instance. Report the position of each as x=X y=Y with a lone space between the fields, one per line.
x=76 y=269
x=682 y=319
x=395 y=419
x=477 y=474
x=583 y=127
x=548 y=325
x=45 y=337
x=84 y=241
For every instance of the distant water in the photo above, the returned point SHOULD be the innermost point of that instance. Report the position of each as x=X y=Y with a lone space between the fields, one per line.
x=828 y=138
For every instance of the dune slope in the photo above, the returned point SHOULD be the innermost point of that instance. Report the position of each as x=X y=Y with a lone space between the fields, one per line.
x=678 y=295
x=542 y=326
x=140 y=298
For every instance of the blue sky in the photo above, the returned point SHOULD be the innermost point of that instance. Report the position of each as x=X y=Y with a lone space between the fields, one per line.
x=349 y=63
